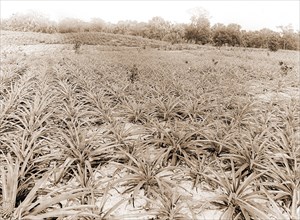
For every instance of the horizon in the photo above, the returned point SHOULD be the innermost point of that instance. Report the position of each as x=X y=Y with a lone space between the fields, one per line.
x=251 y=15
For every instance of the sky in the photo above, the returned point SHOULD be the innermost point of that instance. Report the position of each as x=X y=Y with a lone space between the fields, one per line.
x=251 y=15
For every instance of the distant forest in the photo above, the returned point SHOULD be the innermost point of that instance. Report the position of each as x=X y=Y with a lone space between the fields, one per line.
x=199 y=31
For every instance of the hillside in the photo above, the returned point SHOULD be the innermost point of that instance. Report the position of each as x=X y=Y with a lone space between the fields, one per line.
x=91 y=38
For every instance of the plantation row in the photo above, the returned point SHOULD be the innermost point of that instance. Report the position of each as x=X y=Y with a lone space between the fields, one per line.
x=93 y=136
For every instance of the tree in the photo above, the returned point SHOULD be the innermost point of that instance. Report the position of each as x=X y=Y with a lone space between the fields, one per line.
x=230 y=34
x=69 y=25
x=288 y=37
x=176 y=34
x=234 y=33
x=273 y=42
x=199 y=28
x=266 y=35
x=158 y=28
x=220 y=35
x=254 y=39
x=141 y=29
x=121 y=27
x=31 y=21
x=97 y=25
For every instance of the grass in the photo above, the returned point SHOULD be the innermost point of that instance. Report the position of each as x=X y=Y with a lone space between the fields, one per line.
x=116 y=131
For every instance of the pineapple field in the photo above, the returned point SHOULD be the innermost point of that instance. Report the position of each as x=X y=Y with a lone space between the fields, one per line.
x=104 y=126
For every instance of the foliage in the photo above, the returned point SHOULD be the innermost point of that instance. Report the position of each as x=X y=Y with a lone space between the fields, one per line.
x=273 y=44
x=226 y=35
x=239 y=197
x=78 y=140
x=29 y=22
x=197 y=31
x=146 y=175
x=69 y=25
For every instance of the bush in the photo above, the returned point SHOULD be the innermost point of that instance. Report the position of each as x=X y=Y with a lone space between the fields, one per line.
x=71 y=25
x=29 y=22
x=77 y=46
x=273 y=44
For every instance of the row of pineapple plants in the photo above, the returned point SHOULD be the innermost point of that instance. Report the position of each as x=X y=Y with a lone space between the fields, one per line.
x=60 y=126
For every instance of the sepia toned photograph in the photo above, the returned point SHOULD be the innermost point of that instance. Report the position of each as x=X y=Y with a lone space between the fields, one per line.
x=149 y=110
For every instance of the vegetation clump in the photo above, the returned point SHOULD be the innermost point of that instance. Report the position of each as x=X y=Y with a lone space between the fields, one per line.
x=284 y=68
x=133 y=74
x=199 y=30
x=77 y=46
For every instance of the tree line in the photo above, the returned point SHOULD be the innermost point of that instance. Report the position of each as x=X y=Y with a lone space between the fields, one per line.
x=198 y=31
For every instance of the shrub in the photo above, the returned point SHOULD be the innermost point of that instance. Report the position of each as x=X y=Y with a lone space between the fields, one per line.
x=133 y=74
x=273 y=44
x=71 y=25
x=77 y=46
x=29 y=22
